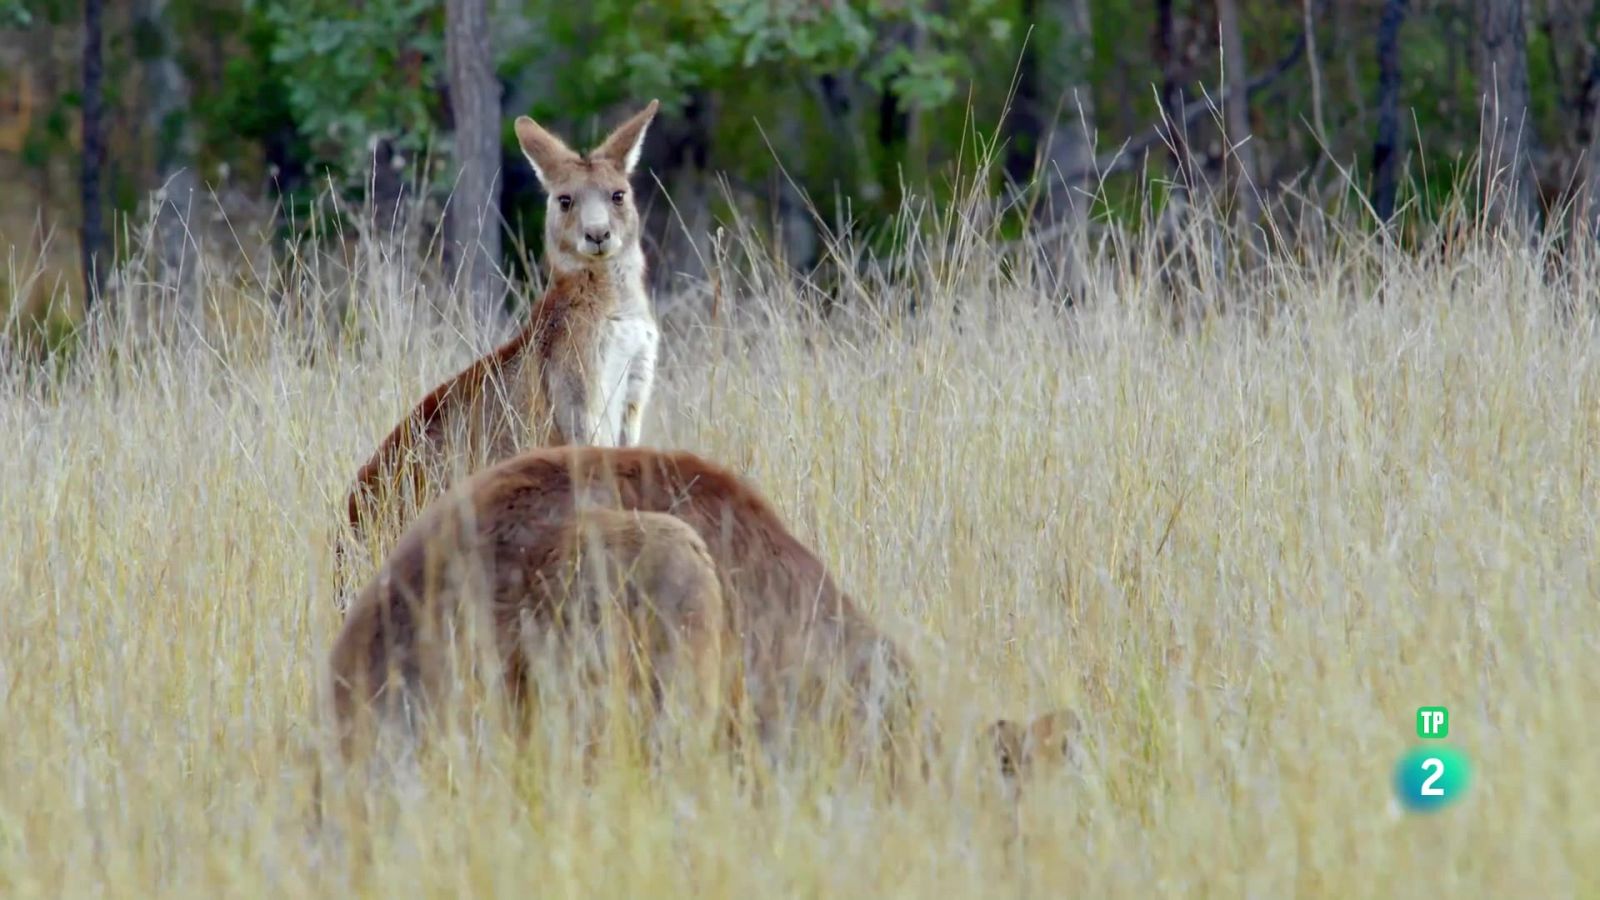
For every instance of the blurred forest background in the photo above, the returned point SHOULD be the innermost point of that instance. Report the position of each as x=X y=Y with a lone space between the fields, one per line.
x=254 y=125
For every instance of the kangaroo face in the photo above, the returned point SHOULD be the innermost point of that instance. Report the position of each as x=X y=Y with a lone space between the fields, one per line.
x=1035 y=749
x=590 y=215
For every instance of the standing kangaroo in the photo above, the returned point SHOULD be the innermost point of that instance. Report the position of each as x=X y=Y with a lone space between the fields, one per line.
x=734 y=612
x=579 y=372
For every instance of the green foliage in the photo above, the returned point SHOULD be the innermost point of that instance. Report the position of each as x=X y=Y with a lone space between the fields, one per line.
x=252 y=103
x=48 y=134
x=352 y=71
x=14 y=14
x=671 y=49
x=855 y=99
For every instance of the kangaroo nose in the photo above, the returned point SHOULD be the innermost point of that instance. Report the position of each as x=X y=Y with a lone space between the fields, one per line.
x=597 y=237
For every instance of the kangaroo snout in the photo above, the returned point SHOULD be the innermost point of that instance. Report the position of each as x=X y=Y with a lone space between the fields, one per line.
x=597 y=238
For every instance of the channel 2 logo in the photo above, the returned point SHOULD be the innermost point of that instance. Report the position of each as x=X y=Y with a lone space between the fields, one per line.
x=1431 y=776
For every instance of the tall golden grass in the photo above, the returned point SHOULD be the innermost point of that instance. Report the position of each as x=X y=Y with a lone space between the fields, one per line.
x=1244 y=518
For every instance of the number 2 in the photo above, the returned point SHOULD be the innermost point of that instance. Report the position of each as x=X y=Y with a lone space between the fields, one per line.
x=1428 y=790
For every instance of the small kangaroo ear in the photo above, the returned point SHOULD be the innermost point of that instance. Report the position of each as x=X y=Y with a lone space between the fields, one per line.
x=1006 y=739
x=1061 y=722
x=545 y=151
x=1052 y=736
x=622 y=146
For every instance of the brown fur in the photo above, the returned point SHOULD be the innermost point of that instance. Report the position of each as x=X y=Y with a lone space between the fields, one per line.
x=632 y=601
x=1046 y=743
x=806 y=655
x=579 y=372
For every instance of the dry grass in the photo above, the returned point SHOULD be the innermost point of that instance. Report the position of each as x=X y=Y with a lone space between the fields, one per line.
x=1245 y=550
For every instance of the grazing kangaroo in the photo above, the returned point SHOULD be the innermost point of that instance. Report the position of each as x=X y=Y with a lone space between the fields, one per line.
x=790 y=650
x=633 y=600
x=579 y=372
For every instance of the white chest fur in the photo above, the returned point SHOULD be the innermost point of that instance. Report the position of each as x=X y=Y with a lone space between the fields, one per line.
x=628 y=356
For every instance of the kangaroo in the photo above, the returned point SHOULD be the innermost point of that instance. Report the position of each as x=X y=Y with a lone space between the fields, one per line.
x=632 y=600
x=580 y=371
x=1045 y=744
x=795 y=651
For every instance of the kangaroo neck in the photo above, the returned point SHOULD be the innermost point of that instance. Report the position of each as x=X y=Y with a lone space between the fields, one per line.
x=619 y=279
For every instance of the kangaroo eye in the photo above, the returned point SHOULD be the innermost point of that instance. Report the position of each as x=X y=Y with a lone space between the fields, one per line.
x=565 y=201
x=617 y=198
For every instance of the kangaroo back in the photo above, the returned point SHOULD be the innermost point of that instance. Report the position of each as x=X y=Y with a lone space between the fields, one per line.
x=794 y=661
x=810 y=664
x=602 y=604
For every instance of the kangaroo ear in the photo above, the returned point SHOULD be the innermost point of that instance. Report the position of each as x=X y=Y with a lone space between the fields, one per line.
x=1046 y=743
x=622 y=146
x=1052 y=736
x=545 y=151
x=1005 y=738
x=1056 y=723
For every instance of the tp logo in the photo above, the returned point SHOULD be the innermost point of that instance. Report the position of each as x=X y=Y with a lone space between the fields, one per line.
x=1429 y=778
x=1433 y=722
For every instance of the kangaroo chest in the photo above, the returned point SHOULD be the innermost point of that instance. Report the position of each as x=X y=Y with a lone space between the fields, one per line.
x=627 y=351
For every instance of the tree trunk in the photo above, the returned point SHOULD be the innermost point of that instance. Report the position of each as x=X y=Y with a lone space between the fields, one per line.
x=1313 y=62
x=1506 y=138
x=1236 y=118
x=900 y=123
x=474 y=226
x=1063 y=66
x=1586 y=208
x=92 y=236
x=1165 y=50
x=1386 y=146
x=1062 y=60
x=166 y=104
x=1023 y=121
x=1569 y=27
x=1167 y=60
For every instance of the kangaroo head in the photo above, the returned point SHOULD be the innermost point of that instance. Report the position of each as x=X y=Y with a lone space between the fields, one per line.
x=1033 y=749
x=590 y=216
